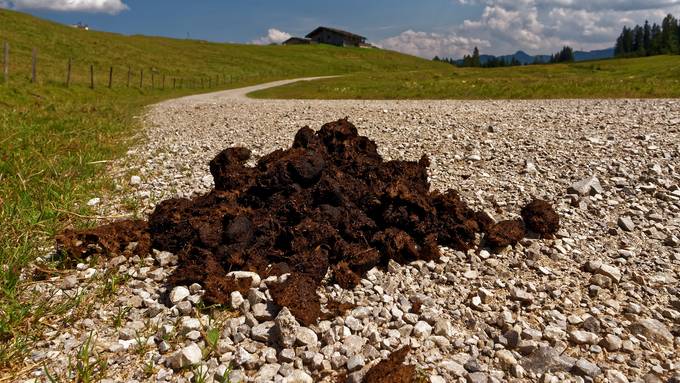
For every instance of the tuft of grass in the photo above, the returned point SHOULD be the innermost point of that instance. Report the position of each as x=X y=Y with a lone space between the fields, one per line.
x=200 y=374
x=225 y=376
x=212 y=337
x=87 y=366
x=119 y=316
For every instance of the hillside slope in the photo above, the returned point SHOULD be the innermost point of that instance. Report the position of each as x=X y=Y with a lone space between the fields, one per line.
x=57 y=43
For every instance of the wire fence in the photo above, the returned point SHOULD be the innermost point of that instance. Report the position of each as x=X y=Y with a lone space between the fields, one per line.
x=111 y=76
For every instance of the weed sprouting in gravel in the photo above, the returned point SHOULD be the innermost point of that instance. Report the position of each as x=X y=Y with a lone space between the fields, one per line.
x=87 y=366
x=119 y=315
x=200 y=374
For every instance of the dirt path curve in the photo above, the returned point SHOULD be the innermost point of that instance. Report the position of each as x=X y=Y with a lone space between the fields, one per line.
x=233 y=94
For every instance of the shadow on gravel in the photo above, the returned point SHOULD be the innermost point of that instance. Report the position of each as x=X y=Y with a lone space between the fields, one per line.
x=326 y=210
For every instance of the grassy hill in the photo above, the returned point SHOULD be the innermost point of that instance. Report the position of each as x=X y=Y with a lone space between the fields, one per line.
x=57 y=43
x=654 y=77
x=55 y=141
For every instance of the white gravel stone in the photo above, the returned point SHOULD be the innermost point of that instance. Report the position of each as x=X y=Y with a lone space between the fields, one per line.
x=612 y=272
x=583 y=337
x=422 y=330
x=179 y=294
x=285 y=328
x=236 y=299
x=255 y=278
x=262 y=331
x=188 y=324
x=355 y=362
x=187 y=356
x=298 y=376
x=69 y=282
x=305 y=337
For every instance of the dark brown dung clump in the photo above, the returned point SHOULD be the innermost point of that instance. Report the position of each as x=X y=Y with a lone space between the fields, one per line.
x=122 y=237
x=505 y=233
x=328 y=203
x=540 y=218
x=392 y=369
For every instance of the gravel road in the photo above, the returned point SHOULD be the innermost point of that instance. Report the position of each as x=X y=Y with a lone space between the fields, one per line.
x=598 y=303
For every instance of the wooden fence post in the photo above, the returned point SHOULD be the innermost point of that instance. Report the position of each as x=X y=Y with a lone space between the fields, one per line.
x=68 y=72
x=141 y=78
x=110 y=77
x=34 y=64
x=153 y=79
x=129 y=75
x=91 y=76
x=5 y=61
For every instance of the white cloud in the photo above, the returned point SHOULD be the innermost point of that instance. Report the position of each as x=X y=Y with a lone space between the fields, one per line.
x=429 y=45
x=536 y=26
x=95 y=6
x=274 y=36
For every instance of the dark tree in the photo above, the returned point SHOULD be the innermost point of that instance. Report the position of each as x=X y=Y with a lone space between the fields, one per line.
x=566 y=55
x=669 y=35
x=476 y=61
x=656 y=39
x=649 y=40
x=638 y=41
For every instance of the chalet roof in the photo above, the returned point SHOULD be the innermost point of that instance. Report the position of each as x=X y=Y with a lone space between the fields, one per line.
x=338 y=31
x=297 y=39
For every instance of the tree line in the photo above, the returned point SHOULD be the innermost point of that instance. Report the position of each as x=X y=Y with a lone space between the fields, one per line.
x=649 y=40
x=474 y=60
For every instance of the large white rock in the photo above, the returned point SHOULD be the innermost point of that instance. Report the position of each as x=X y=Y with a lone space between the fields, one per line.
x=179 y=294
x=189 y=324
x=255 y=278
x=612 y=272
x=422 y=330
x=187 y=356
x=590 y=185
x=285 y=328
x=305 y=336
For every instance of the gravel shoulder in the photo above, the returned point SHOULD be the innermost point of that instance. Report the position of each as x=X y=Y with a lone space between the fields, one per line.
x=598 y=303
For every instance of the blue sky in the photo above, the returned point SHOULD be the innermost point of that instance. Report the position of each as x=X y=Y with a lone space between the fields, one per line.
x=426 y=27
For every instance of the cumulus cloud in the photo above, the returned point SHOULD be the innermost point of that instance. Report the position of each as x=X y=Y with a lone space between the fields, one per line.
x=94 y=6
x=274 y=36
x=432 y=44
x=537 y=26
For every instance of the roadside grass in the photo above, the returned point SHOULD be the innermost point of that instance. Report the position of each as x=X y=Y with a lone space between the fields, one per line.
x=650 y=77
x=56 y=141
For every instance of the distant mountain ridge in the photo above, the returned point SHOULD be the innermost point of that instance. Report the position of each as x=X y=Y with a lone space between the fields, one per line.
x=525 y=58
